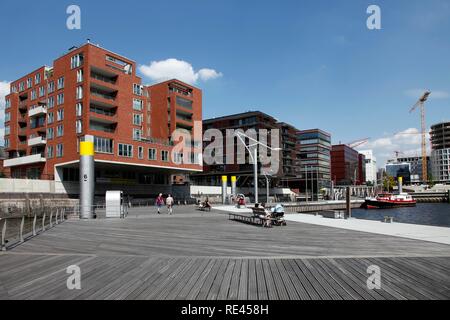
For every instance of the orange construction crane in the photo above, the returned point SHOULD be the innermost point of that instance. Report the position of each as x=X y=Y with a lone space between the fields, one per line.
x=421 y=104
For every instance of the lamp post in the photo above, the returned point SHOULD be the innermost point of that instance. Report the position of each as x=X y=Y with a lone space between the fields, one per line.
x=254 y=157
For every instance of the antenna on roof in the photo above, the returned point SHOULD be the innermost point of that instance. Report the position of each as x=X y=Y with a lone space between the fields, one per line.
x=88 y=40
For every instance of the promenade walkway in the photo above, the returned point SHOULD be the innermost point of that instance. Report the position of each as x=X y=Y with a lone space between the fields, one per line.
x=194 y=255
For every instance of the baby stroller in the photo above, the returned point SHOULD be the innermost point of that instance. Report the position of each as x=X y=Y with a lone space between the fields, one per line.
x=278 y=215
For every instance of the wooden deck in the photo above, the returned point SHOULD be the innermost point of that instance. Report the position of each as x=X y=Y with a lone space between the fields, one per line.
x=201 y=256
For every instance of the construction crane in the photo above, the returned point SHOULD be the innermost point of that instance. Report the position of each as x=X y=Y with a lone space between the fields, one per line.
x=358 y=143
x=421 y=104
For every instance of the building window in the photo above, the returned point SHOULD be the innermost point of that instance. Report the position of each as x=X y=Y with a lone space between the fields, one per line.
x=7 y=130
x=138 y=89
x=51 y=87
x=137 y=134
x=60 y=99
x=178 y=157
x=14 y=88
x=151 y=154
x=51 y=102
x=59 y=150
x=6 y=143
x=125 y=150
x=137 y=119
x=7 y=103
x=76 y=61
x=137 y=104
x=79 y=93
x=79 y=126
x=50 y=152
x=60 y=84
x=50 y=133
x=29 y=83
x=79 y=109
x=80 y=75
x=41 y=92
x=103 y=145
x=60 y=130
x=50 y=118
x=7 y=116
x=141 y=152
x=37 y=78
x=165 y=156
x=60 y=115
x=33 y=95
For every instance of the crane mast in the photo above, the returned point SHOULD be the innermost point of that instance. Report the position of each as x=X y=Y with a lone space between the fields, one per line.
x=421 y=104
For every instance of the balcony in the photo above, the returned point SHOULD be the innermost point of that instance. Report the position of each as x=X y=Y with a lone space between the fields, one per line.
x=37 y=111
x=21 y=119
x=35 y=158
x=103 y=93
x=37 y=141
x=23 y=105
x=104 y=76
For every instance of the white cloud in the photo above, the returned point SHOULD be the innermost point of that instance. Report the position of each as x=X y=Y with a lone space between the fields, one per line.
x=407 y=142
x=177 y=69
x=435 y=94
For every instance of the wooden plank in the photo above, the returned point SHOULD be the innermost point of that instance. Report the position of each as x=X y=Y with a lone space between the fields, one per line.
x=215 y=287
x=270 y=282
x=205 y=265
x=260 y=281
x=281 y=289
x=252 y=284
x=226 y=283
x=292 y=293
x=243 y=281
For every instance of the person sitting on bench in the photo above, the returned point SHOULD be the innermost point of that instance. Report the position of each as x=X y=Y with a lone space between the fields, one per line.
x=267 y=216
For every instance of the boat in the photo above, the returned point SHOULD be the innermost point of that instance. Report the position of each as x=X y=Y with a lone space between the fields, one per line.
x=388 y=200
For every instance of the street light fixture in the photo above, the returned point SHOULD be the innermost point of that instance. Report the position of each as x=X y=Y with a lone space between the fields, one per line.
x=254 y=157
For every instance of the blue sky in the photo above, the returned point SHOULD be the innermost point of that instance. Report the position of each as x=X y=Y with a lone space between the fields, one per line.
x=309 y=63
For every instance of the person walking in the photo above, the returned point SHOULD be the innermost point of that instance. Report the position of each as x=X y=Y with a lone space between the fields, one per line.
x=169 y=203
x=159 y=202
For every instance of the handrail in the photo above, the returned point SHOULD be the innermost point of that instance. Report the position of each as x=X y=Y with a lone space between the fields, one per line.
x=57 y=216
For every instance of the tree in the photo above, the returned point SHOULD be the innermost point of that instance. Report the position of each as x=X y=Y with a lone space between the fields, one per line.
x=388 y=183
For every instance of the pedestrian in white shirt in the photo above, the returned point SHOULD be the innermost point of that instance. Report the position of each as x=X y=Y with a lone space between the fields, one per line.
x=169 y=203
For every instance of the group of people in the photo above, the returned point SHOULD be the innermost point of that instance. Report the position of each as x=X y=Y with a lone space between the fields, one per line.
x=169 y=202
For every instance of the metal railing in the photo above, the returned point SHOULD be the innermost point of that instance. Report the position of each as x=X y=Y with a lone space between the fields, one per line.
x=16 y=229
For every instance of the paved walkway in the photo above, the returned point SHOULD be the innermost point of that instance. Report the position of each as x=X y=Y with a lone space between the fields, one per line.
x=193 y=255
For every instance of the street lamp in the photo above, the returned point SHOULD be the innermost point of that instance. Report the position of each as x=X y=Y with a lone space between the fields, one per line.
x=254 y=157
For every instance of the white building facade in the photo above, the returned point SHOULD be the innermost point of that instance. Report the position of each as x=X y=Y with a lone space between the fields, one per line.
x=371 y=166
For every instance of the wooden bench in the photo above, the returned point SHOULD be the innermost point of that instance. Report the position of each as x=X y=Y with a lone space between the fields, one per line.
x=246 y=218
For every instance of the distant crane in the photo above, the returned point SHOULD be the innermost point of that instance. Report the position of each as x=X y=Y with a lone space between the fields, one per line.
x=421 y=104
x=358 y=143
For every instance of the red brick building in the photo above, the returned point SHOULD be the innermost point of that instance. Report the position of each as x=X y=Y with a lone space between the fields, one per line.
x=347 y=166
x=93 y=91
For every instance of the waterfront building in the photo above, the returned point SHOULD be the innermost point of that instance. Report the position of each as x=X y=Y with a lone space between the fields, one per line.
x=415 y=167
x=92 y=91
x=398 y=169
x=440 y=155
x=346 y=166
x=314 y=149
x=371 y=166
x=251 y=120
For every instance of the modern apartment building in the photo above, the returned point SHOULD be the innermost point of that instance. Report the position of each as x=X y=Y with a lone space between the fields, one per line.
x=93 y=91
x=346 y=165
x=370 y=166
x=314 y=147
x=415 y=167
x=255 y=120
x=440 y=155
